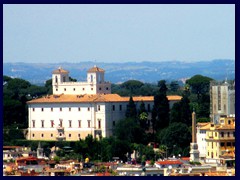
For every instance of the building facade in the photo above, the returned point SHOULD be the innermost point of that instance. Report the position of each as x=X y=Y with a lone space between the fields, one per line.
x=222 y=100
x=201 y=139
x=76 y=109
x=220 y=140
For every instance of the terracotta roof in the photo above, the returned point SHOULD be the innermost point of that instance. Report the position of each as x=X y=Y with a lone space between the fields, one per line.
x=92 y=98
x=169 y=162
x=11 y=147
x=95 y=69
x=204 y=126
x=60 y=70
x=185 y=158
x=174 y=98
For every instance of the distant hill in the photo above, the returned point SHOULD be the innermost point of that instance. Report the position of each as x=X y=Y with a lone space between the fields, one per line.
x=151 y=72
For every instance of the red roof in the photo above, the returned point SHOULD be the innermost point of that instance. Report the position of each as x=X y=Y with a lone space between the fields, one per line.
x=169 y=162
x=186 y=158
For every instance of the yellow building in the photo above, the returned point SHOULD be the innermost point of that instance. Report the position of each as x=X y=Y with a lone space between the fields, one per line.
x=220 y=140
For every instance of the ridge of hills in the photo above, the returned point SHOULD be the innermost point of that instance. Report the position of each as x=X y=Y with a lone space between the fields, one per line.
x=115 y=72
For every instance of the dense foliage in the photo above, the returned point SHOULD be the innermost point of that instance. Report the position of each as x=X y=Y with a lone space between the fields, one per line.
x=169 y=128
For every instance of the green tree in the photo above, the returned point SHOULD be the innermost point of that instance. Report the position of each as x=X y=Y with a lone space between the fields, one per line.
x=176 y=137
x=143 y=116
x=160 y=112
x=131 y=111
x=199 y=84
x=174 y=86
x=132 y=85
x=127 y=129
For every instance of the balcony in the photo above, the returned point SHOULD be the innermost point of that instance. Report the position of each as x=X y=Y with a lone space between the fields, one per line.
x=61 y=137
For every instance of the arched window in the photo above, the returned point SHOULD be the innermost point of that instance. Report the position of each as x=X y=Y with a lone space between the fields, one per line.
x=91 y=78
x=56 y=80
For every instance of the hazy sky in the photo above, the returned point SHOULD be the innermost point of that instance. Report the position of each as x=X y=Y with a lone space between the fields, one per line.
x=118 y=33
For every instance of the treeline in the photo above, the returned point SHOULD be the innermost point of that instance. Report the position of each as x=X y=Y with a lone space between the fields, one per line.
x=170 y=129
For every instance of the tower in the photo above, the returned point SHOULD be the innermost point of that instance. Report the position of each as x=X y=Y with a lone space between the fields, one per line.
x=194 y=152
x=59 y=76
x=222 y=100
x=95 y=75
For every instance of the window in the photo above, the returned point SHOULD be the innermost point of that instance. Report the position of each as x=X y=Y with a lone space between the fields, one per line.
x=56 y=89
x=65 y=89
x=51 y=135
x=33 y=109
x=233 y=133
x=42 y=109
x=79 y=109
x=229 y=121
x=79 y=135
x=42 y=135
x=33 y=123
x=92 y=89
x=212 y=145
x=222 y=144
x=100 y=89
x=228 y=144
x=60 y=109
x=228 y=134
x=69 y=135
x=88 y=109
x=33 y=135
x=106 y=88
x=52 y=123
x=215 y=134
x=56 y=80
x=64 y=79
x=89 y=123
x=222 y=134
x=99 y=107
x=69 y=109
x=83 y=89
x=113 y=107
x=42 y=123
x=113 y=123
x=51 y=109
x=99 y=124
x=70 y=123
x=73 y=89
x=120 y=107
x=79 y=123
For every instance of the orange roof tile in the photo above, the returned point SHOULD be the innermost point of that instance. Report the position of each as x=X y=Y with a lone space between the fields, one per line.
x=60 y=70
x=90 y=98
x=95 y=69
x=204 y=126
x=169 y=162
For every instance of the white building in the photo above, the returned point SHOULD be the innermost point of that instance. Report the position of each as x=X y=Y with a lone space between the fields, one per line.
x=95 y=83
x=222 y=100
x=77 y=109
x=201 y=139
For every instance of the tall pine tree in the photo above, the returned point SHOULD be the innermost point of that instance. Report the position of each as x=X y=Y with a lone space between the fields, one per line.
x=131 y=109
x=160 y=113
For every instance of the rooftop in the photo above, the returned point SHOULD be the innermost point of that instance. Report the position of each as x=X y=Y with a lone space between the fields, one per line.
x=94 y=98
x=95 y=69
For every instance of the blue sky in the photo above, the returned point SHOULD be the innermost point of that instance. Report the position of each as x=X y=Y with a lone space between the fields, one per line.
x=118 y=33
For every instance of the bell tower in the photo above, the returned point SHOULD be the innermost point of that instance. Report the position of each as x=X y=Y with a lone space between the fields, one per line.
x=59 y=76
